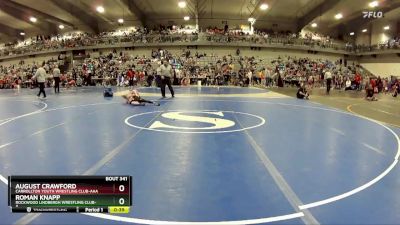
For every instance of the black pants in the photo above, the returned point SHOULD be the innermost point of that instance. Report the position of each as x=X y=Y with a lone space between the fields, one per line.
x=150 y=80
x=158 y=80
x=328 y=85
x=348 y=89
x=166 y=81
x=56 y=84
x=41 y=89
x=141 y=100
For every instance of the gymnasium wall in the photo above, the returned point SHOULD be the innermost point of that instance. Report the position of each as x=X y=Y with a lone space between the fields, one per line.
x=363 y=38
x=383 y=69
x=375 y=33
x=379 y=35
x=382 y=65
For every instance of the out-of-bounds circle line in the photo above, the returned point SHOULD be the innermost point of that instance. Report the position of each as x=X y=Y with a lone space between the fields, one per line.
x=262 y=122
x=368 y=184
x=160 y=222
x=26 y=114
x=349 y=108
x=260 y=220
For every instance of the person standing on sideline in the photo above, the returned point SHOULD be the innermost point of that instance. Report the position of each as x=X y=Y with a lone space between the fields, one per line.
x=40 y=76
x=328 y=77
x=166 y=73
x=250 y=77
x=130 y=74
x=56 y=76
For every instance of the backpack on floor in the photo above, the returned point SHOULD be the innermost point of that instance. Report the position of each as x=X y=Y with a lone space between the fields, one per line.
x=108 y=92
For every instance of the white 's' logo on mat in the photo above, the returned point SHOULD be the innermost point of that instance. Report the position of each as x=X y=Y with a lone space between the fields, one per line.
x=204 y=121
x=214 y=123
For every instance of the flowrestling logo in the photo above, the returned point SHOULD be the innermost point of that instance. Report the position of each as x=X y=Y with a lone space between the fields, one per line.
x=372 y=14
x=204 y=121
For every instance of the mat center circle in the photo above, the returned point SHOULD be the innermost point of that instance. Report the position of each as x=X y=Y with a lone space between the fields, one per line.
x=196 y=121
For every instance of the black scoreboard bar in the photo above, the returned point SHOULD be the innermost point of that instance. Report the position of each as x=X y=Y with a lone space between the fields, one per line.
x=79 y=194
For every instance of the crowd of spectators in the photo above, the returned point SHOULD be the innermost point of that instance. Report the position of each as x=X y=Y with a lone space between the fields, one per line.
x=272 y=38
x=117 y=68
x=19 y=75
x=181 y=34
x=393 y=43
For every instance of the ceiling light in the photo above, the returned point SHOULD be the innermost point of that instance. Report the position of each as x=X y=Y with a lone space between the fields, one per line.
x=182 y=4
x=61 y=26
x=22 y=33
x=386 y=28
x=352 y=33
x=373 y=4
x=186 y=18
x=33 y=19
x=338 y=16
x=365 y=30
x=264 y=6
x=100 y=9
x=120 y=20
x=314 y=25
x=251 y=20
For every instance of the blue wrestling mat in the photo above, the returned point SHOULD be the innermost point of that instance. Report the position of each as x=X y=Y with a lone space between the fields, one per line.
x=222 y=160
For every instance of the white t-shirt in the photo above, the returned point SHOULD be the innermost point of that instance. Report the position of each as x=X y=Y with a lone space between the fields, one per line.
x=165 y=70
x=56 y=72
x=40 y=75
x=249 y=75
x=328 y=75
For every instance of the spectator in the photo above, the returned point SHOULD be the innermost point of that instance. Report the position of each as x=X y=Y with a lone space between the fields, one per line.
x=302 y=92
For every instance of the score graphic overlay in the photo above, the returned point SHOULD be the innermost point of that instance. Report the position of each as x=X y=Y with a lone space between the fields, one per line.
x=78 y=194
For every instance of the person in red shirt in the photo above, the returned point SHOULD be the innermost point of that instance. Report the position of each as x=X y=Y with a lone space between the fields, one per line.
x=357 y=79
x=1 y=83
x=372 y=82
x=130 y=74
x=141 y=76
x=369 y=91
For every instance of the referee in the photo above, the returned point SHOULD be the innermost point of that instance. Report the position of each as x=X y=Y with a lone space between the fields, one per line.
x=40 y=76
x=328 y=77
x=56 y=76
x=166 y=74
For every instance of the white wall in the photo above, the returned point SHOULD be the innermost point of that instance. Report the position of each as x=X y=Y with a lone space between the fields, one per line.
x=376 y=34
x=383 y=69
x=379 y=35
x=363 y=38
x=382 y=65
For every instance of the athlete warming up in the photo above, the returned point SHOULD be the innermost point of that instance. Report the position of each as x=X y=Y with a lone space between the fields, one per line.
x=133 y=98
